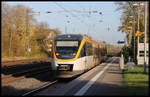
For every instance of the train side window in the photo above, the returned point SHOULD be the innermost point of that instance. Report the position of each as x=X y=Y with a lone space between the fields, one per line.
x=96 y=52
x=83 y=51
x=88 y=48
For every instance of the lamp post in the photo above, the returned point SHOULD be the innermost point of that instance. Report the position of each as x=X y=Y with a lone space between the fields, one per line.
x=134 y=39
x=135 y=4
x=66 y=24
x=90 y=26
x=134 y=21
x=139 y=4
x=145 y=30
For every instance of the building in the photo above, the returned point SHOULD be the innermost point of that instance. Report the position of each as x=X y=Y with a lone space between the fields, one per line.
x=140 y=54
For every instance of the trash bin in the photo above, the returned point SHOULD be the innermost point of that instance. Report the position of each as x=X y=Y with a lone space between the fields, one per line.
x=130 y=65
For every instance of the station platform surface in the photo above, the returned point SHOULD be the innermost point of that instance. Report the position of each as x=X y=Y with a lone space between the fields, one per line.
x=105 y=79
x=111 y=84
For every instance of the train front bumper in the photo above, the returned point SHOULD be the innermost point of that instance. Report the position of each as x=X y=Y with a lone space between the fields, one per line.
x=68 y=74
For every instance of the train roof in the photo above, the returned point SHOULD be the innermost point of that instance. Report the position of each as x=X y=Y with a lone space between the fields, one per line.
x=61 y=36
x=75 y=36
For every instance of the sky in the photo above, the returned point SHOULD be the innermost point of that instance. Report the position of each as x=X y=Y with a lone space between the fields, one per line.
x=102 y=27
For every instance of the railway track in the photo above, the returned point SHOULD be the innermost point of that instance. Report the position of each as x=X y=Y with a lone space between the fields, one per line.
x=47 y=85
x=24 y=61
x=21 y=69
x=22 y=75
x=40 y=88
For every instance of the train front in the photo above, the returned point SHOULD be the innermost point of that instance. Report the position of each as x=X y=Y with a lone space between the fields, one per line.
x=65 y=55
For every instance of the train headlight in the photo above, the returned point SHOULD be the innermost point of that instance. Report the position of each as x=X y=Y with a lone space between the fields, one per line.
x=57 y=54
x=74 y=54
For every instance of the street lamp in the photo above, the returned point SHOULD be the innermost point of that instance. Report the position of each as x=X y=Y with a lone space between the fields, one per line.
x=138 y=4
x=145 y=29
x=135 y=4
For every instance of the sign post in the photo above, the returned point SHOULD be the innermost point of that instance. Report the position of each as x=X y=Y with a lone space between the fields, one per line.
x=138 y=33
x=121 y=59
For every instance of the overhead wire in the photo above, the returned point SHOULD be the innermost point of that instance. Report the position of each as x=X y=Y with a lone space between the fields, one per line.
x=70 y=13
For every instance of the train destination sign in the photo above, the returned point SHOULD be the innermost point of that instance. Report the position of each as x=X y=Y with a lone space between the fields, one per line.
x=67 y=43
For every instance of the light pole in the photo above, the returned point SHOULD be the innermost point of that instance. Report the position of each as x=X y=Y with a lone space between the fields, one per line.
x=145 y=31
x=66 y=24
x=134 y=16
x=134 y=40
x=135 y=4
x=139 y=4
x=90 y=26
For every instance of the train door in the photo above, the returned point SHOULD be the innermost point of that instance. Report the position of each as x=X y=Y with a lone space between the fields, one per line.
x=89 y=54
x=95 y=54
x=83 y=56
x=99 y=54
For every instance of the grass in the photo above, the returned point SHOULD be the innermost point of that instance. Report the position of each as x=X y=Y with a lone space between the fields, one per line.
x=136 y=81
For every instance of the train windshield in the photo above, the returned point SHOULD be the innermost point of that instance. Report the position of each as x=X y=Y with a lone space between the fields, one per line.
x=66 y=49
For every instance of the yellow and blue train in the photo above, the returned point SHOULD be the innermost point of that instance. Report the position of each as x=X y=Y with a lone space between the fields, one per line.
x=74 y=54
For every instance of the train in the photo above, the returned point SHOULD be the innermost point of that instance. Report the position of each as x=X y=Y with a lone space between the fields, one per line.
x=74 y=54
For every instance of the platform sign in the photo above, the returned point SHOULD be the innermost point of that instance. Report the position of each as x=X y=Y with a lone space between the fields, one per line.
x=121 y=42
x=138 y=33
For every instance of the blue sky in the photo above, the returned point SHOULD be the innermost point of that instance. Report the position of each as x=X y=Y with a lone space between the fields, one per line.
x=80 y=22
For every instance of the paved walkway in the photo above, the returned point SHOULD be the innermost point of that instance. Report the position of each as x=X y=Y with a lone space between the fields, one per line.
x=111 y=84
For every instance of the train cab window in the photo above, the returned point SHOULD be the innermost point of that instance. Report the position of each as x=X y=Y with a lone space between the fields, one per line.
x=66 y=49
